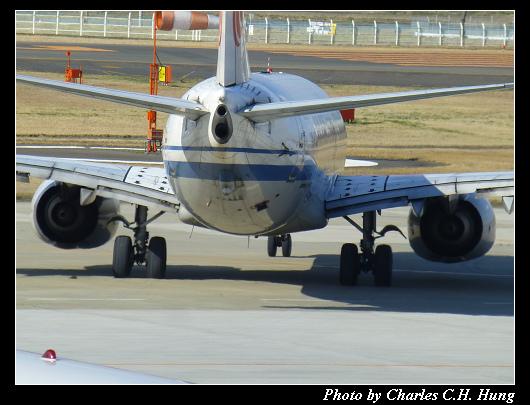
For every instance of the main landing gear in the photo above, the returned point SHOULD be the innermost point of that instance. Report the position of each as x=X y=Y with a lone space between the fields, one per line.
x=379 y=262
x=152 y=251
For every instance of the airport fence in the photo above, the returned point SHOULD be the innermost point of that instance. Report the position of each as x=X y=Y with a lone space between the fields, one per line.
x=139 y=25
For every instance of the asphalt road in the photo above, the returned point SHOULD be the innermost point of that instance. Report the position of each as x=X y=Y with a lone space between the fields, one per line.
x=356 y=66
x=227 y=313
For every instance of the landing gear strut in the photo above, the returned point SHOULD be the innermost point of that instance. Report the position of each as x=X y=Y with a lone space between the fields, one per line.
x=151 y=252
x=379 y=262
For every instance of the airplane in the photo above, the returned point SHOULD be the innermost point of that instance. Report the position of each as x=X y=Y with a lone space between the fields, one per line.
x=32 y=368
x=258 y=154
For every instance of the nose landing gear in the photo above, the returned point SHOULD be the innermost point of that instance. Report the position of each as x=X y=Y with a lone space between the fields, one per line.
x=283 y=241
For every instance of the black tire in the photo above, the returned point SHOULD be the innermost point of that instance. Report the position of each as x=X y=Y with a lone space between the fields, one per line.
x=383 y=266
x=349 y=264
x=156 y=257
x=122 y=257
x=272 y=245
x=287 y=245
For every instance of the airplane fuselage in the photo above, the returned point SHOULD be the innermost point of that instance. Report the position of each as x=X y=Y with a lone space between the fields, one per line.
x=254 y=178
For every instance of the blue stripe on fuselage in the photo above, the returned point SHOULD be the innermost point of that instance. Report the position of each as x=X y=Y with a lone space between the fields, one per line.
x=241 y=172
x=229 y=149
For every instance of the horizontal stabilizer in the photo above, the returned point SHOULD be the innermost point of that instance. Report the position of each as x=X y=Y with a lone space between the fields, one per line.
x=169 y=105
x=267 y=111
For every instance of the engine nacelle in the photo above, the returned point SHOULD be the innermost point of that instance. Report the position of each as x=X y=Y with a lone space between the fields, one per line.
x=452 y=231
x=60 y=220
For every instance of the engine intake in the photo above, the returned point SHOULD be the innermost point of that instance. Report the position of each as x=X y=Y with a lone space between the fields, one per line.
x=60 y=220
x=447 y=232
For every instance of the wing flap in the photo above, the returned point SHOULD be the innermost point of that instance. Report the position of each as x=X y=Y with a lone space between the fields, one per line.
x=266 y=111
x=355 y=194
x=169 y=105
x=135 y=184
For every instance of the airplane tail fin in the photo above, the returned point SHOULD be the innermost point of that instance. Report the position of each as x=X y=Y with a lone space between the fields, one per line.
x=232 y=61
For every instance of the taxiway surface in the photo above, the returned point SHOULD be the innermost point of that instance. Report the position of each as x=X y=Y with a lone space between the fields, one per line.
x=227 y=313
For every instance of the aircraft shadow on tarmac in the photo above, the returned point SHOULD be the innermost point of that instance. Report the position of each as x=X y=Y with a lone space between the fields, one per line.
x=481 y=287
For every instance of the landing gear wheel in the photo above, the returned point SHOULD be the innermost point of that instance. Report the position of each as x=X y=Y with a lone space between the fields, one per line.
x=383 y=266
x=122 y=257
x=349 y=264
x=156 y=257
x=287 y=245
x=272 y=244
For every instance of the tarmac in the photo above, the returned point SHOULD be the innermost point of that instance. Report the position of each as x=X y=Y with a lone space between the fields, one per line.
x=226 y=313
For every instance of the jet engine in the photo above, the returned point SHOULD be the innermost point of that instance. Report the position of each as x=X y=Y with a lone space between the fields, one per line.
x=451 y=229
x=60 y=219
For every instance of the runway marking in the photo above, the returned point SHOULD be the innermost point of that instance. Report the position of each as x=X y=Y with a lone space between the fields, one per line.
x=65 y=48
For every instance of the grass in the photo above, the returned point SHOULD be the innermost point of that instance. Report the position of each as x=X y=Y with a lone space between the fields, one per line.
x=48 y=117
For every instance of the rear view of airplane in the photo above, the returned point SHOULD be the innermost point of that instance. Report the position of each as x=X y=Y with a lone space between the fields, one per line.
x=257 y=154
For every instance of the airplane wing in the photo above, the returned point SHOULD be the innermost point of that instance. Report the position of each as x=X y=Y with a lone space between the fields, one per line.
x=355 y=194
x=135 y=184
x=31 y=368
x=169 y=105
x=262 y=112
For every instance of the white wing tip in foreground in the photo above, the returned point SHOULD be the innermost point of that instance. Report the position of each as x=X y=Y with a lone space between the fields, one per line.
x=31 y=368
